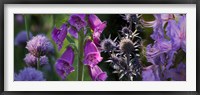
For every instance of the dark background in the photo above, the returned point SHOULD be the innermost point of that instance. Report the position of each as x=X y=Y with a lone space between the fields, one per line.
x=2 y=2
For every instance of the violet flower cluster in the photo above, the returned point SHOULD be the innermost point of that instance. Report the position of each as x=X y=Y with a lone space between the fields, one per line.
x=39 y=47
x=78 y=26
x=124 y=50
x=169 y=35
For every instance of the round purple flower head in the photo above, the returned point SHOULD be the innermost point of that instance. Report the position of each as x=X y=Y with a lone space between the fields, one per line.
x=21 y=38
x=64 y=64
x=39 y=45
x=29 y=74
x=91 y=54
x=31 y=60
x=97 y=74
x=19 y=18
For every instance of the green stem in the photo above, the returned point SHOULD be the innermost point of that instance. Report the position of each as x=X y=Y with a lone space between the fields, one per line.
x=38 y=63
x=80 y=55
x=26 y=26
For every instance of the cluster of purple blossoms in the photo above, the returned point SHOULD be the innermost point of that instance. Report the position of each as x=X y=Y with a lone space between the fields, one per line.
x=39 y=47
x=162 y=52
x=29 y=74
x=79 y=23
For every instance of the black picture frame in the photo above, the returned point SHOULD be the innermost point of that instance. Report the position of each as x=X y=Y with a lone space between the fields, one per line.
x=2 y=2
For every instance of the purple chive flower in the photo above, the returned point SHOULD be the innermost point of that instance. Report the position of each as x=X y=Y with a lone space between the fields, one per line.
x=30 y=60
x=97 y=74
x=29 y=74
x=64 y=63
x=177 y=33
x=176 y=74
x=19 y=18
x=78 y=21
x=44 y=60
x=151 y=73
x=39 y=45
x=97 y=26
x=59 y=35
x=91 y=54
x=21 y=38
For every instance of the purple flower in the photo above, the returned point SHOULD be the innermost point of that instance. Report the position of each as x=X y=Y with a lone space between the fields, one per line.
x=29 y=74
x=21 y=38
x=31 y=60
x=91 y=54
x=59 y=35
x=97 y=26
x=78 y=21
x=64 y=63
x=39 y=45
x=44 y=60
x=151 y=73
x=97 y=74
x=155 y=53
x=19 y=18
x=176 y=74
x=177 y=33
x=72 y=30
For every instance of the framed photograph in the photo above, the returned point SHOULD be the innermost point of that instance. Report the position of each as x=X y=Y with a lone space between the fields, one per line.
x=100 y=47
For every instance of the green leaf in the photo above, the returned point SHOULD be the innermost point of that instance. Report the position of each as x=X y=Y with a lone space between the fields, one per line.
x=71 y=40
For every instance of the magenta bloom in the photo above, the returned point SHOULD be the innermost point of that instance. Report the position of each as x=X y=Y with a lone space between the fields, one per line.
x=59 y=35
x=64 y=63
x=97 y=26
x=151 y=73
x=78 y=21
x=73 y=31
x=177 y=33
x=97 y=74
x=91 y=54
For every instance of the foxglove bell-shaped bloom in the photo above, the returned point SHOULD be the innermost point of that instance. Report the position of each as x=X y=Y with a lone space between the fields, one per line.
x=151 y=73
x=177 y=33
x=59 y=35
x=39 y=45
x=73 y=31
x=21 y=38
x=64 y=63
x=97 y=26
x=91 y=54
x=78 y=21
x=29 y=74
x=97 y=74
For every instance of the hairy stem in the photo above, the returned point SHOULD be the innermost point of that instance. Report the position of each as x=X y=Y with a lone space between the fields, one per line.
x=80 y=55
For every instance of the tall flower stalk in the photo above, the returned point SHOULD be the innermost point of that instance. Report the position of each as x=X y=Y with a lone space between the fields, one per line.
x=88 y=54
x=80 y=55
